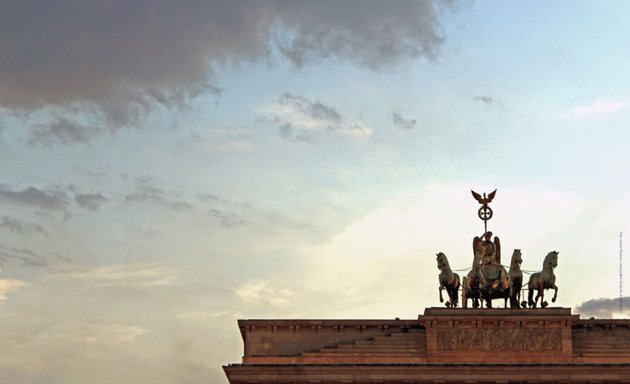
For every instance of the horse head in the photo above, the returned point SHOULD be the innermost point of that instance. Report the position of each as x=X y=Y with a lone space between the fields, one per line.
x=442 y=262
x=516 y=259
x=551 y=260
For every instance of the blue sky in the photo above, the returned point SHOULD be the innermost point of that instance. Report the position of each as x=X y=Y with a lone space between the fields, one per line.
x=168 y=169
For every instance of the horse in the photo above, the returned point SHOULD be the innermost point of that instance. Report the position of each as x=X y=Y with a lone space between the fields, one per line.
x=448 y=280
x=473 y=283
x=543 y=280
x=516 y=279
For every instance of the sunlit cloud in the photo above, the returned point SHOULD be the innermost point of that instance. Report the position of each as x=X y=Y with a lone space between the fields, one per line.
x=261 y=292
x=298 y=118
x=596 y=109
x=122 y=275
x=85 y=333
x=9 y=285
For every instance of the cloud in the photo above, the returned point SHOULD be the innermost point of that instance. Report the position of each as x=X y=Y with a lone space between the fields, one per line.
x=298 y=117
x=118 y=60
x=34 y=197
x=603 y=308
x=90 y=201
x=401 y=122
x=9 y=285
x=21 y=227
x=261 y=292
x=227 y=219
x=147 y=197
x=484 y=99
x=62 y=130
x=595 y=109
x=26 y=256
x=149 y=192
x=81 y=334
x=117 y=275
x=488 y=100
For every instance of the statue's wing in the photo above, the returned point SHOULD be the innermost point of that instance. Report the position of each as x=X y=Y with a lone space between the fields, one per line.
x=491 y=196
x=477 y=196
x=497 y=248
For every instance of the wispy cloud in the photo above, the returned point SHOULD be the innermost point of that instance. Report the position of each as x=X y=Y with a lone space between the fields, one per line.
x=21 y=227
x=148 y=191
x=597 y=108
x=401 y=122
x=147 y=197
x=227 y=219
x=85 y=333
x=299 y=118
x=121 y=275
x=62 y=130
x=488 y=100
x=91 y=201
x=54 y=199
x=26 y=256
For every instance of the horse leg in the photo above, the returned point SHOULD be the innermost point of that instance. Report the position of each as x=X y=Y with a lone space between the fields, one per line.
x=530 y=295
x=440 y=290
x=541 y=294
x=555 y=294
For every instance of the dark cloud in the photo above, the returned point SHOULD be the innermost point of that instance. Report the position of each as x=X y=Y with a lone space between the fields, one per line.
x=374 y=34
x=21 y=227
x=116 y=60
x=62 y=130
x=34 y=197
x=602 y=308
x=90 y=201
x=401 y=122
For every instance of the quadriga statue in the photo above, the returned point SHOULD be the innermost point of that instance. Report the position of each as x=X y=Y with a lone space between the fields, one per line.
x=448 y=281
x=540 y=281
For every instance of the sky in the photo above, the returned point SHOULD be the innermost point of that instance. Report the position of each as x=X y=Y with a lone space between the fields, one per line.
x=167 y=168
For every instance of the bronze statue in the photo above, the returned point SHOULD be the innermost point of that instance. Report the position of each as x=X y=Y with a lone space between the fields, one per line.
x=490 y=251
x=485 y=212
x=516 y=279
x=473 y=283
x=488 y=279
x=543 y=280
x=448 y=280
